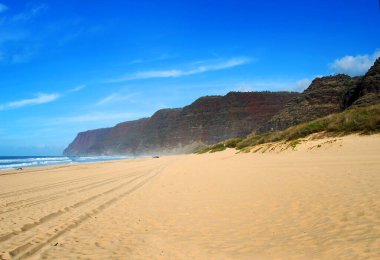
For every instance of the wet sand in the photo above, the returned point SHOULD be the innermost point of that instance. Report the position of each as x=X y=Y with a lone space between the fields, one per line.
x=319 y=200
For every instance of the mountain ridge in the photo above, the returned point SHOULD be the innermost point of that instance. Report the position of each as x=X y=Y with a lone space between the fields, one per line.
x=328 y=95
x=207 y=120
x=211 y=119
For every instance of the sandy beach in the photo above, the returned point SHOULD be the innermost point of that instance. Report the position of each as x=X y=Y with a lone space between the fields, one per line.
x=318 y=200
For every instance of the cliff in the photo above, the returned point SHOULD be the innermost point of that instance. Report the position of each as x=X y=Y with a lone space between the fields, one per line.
x=368 y=90
x=212 y=119
x=208 y=120
x=323 y=97
x=328 y=95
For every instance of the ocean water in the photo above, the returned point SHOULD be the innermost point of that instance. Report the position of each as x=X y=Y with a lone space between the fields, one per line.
x=10 y=162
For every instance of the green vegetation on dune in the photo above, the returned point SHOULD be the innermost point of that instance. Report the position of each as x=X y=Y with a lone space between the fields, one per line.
x=231 y=143
x=212 y=148
x=364 y=120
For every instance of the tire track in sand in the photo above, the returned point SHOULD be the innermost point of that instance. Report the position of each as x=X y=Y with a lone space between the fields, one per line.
x=50 y=185
x=34 y=237
x=22 y=204
x=65 y=210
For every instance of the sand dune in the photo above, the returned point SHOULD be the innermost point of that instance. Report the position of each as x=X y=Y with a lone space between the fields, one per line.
x=318 y=200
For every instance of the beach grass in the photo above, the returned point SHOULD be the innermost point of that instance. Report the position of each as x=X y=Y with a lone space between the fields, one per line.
x=363 y=120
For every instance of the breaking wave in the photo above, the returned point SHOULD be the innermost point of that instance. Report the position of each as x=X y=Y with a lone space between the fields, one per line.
x=9 y=162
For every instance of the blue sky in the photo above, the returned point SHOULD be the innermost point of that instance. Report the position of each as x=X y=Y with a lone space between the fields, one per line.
x=68 y=66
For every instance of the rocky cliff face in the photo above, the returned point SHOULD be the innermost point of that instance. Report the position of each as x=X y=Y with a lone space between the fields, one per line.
x=106 y=140
x=215 y=118
x=328 y=95
x=368 y=90
x=323 y=97
x=208 y=120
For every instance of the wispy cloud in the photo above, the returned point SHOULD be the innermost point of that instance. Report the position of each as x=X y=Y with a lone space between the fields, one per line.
x=302 y=84
x=76 y=89
x=3 y=8
x=355 y=65
x=161 y=57
x=92 y=117
x=9 y=39
x=74 y=29
x=274 y=85
x=22 y=55
x=17 y=43
x=41 y=98
x=175 y=73
x=30 y=13
x=115 y=97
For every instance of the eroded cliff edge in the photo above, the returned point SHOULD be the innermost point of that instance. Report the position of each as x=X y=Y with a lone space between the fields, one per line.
x=212 y=119
x=327 y=95
x=208 y=120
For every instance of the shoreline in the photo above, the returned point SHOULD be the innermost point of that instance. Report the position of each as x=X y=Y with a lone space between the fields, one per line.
x=292 y=204
x=47 y=163
x=59 y=166
x=305 y=144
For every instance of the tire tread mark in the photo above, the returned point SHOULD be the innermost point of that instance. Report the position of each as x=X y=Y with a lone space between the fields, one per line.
x=46 y=218
x=62 y=194
x=43 y=187
x=50 y=185
x=77 y=222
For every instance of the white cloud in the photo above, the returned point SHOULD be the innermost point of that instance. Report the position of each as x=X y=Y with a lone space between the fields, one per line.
x=355 y=65
x=71 y=36
x=40 y=98
x=10 y=38
x=30 y=13
x=115 y=97
x=174 y=73
x=244 y=87
x=93 y=117
x=77 y=88
x=17 y=43
x=3 y=8
x=273 y=85
x=21 y=56
x=163 y=56
x=302 y=84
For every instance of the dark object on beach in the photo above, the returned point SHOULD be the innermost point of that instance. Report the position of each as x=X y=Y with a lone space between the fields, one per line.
x=19 y=169
x=155 y=157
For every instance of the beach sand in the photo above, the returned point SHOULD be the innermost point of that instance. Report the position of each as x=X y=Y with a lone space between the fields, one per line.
x=318 y=200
